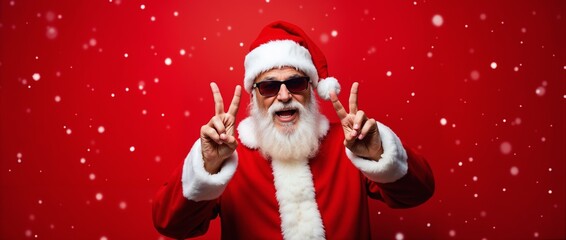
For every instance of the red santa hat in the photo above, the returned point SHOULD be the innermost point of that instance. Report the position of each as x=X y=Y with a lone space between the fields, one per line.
x=282 y=44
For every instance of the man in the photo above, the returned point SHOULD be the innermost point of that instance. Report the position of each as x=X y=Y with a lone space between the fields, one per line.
x=296 y=176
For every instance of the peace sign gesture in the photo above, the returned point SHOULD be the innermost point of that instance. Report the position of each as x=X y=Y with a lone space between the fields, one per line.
x=361 y=135
x=217 y=136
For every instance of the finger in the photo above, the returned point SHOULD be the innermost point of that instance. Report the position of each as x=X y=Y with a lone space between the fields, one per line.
x=359 y=119
x=351 y=136
x=218 y=125
x=354 y=98
x=218 y=103
x=210 y=133
x=337 y=105
x=231 y=142
x=235 y=104
x=349 y=140
x=369 y=125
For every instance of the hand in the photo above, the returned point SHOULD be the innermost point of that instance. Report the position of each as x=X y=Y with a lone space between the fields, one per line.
x=217 y=136
x=361 y=135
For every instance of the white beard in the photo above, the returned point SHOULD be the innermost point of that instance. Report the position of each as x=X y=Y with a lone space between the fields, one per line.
x=294 y=142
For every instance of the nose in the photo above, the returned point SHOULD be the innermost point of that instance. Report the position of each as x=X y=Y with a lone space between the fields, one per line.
x=283 y=95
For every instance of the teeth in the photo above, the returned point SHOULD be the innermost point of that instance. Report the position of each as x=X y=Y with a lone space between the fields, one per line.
x=285 y=112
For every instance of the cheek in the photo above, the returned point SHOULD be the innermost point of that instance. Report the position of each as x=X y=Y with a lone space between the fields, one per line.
x=263 y=103
x=303 y=99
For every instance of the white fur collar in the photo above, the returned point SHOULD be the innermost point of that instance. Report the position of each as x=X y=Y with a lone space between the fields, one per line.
x=246 y=131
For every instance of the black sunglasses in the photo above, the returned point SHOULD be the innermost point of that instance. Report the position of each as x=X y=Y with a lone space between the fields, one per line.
x=271 y=88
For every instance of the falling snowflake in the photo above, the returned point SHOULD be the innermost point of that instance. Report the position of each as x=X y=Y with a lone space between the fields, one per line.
x=505 y=148
x=51 y=32
x=324 y=38
x=334 y=33
x=372 y=50
x=36 y=76
x=92 y=42
x=540 y=91
x=514 y=171
x=437 y=20
x=28 y=233
x=493 y=65
x=452 y=233
x=475 y=75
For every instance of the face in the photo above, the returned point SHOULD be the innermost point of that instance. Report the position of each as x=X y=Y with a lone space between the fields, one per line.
x=287 y=117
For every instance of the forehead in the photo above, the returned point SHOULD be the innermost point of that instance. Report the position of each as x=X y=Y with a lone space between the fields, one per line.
x=279 y=73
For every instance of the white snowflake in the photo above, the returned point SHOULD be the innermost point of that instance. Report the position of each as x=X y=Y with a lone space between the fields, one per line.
x=437 y=20
x=493 y=65
x=36 y=76
x=505 y=148
x=514 y=170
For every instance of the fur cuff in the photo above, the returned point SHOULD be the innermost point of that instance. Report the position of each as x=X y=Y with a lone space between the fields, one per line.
x=198 y=184
x=393 y=163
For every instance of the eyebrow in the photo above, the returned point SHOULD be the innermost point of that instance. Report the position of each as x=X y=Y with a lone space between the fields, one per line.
x=275 y=79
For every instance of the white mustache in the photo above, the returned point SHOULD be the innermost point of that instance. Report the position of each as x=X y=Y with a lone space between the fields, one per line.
x=279 y=106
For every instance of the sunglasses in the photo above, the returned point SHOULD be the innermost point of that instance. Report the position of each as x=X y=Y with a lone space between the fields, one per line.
x=271 y=88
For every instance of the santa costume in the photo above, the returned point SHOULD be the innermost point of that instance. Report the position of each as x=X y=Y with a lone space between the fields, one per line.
x=321 y=197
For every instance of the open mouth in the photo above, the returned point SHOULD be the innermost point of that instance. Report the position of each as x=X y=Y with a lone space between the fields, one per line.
x=286 y=115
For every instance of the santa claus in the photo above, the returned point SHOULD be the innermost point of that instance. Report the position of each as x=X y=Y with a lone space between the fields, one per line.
x=294 y=175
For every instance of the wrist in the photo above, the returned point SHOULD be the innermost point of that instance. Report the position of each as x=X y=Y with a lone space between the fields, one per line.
x=211 y=166
x=376 y=154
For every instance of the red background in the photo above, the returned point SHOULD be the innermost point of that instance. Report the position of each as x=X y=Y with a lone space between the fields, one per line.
x=93 y=120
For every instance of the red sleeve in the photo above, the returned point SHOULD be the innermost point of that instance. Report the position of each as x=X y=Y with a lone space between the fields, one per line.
x=177 y=217
x=413 y=189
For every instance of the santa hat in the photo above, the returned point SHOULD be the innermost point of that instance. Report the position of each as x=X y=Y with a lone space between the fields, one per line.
x=282 y=44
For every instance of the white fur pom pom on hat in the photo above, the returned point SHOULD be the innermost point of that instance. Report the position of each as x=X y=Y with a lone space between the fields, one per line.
x=326 y=85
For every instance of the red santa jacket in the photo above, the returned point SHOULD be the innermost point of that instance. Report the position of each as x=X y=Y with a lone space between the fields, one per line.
x=260 y=200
